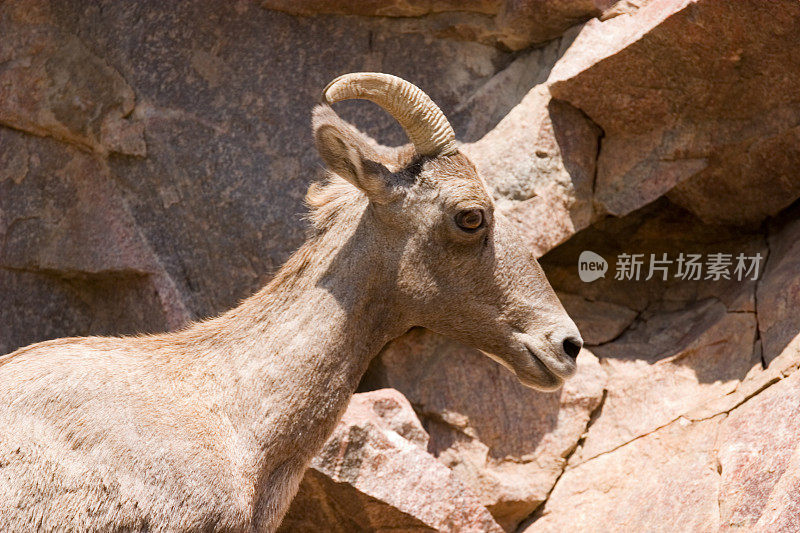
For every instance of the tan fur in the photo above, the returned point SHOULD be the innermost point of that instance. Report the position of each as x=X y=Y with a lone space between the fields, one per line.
x=210 y=428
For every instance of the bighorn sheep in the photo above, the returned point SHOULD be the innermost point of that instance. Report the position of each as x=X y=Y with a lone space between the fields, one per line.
x=211 y=427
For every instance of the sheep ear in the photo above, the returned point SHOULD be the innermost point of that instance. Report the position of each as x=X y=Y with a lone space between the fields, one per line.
x=347 y=154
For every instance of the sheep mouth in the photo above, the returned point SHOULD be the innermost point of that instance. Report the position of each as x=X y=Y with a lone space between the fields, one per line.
x=542 y=364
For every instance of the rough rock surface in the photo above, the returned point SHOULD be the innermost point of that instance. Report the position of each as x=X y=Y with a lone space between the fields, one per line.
x=540 y=158
x=670 y=364
x=730 y=466
x=666 y=481
x=153 y=161
x=508 y=23
x=758 y=459
x=373 y=474
x=696 y=98
x=73 y=260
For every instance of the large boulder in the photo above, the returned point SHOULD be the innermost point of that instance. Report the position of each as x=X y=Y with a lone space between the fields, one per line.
x=699 y=99
x=374 y=474
x=677 y=344
x=669 y=364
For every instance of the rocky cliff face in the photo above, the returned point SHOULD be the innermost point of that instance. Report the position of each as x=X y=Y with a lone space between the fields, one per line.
x=153 y=160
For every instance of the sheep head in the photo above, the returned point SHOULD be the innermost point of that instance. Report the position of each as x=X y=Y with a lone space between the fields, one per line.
x=461 y=269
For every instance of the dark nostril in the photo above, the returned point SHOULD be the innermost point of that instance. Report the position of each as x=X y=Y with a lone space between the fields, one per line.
x=572 y=346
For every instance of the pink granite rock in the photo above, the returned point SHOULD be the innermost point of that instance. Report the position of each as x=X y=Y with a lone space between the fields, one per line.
x=664 y=481
x=697 y=99
x=373 y=474
x=52 y=85
x=758 y=457
x=667 y=366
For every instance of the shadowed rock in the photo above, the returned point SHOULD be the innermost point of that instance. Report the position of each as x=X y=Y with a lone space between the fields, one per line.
x=510 y=24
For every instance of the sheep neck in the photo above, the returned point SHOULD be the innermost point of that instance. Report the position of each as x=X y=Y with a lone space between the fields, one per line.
x=287 y=360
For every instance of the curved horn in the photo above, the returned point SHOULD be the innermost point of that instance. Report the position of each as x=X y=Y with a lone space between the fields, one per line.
x=424 y=123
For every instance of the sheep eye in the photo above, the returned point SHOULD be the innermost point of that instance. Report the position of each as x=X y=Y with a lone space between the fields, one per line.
x=470 y=220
